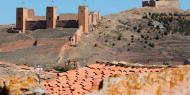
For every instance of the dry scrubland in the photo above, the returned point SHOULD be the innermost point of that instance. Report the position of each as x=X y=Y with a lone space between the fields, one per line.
x=136 y=35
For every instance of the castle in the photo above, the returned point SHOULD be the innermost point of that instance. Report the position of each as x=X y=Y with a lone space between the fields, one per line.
x=161 y=3
x=27 y=20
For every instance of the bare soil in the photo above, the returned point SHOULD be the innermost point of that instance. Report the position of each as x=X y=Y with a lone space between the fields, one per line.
x=19 y=48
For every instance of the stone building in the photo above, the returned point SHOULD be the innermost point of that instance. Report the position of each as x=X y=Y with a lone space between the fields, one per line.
x=161 y=3
x=27 y=20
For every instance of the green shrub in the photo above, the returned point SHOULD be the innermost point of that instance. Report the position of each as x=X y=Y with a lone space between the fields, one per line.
x=157 y=27
x=151 y=45
x=165 y=33
x=119 y=37
x=129 y=44
x=142 y=36
x=106 y=27
x=139 y=31
x=145 y=17
x=145 y=42
x=113 y=44
x=62 y=69
x=165 y=63
x=157 y=37
x=134 y=27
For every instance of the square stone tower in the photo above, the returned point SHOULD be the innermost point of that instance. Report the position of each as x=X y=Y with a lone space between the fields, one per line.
x=51 y=17
x=95 y=17
x=31 y=13
x=83 y=17
x=21 y=18
x=90 y=19
x=99 y=16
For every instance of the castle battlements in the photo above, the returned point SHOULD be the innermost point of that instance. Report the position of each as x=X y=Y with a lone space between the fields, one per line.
x=27 y=20
x=161 y=3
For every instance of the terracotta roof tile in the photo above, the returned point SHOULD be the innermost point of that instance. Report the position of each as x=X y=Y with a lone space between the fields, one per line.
x=83 y=80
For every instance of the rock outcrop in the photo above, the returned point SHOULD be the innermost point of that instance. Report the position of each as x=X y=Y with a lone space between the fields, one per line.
x=15 y=80
x=171 y=81
x=20 y=84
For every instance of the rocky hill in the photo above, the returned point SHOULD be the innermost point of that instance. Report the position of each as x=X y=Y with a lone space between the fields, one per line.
x=144 y=35
x=140 y=35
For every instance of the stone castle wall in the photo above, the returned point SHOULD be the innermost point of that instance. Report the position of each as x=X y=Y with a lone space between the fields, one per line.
x=27 y=20
x=31 y=13
x=67 y=23
x=162 y=3
x=150 y=3
x=168 y=4
x=32 y=25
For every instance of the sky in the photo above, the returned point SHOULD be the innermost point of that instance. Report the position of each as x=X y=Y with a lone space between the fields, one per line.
x=106 y=7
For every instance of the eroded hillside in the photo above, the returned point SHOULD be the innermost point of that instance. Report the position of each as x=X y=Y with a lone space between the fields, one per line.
x=136 y=36
x=35 y=48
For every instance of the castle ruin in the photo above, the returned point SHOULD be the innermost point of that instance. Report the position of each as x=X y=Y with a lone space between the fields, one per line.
x=161 y=3
x=27 y=20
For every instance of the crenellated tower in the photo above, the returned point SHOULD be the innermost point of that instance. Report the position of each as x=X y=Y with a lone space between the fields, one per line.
x=83 y=18
x=51 y=17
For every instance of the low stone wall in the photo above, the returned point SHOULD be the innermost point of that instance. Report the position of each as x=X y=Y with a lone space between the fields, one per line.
x=67 y=23
x=32 y=25
x=77 y=36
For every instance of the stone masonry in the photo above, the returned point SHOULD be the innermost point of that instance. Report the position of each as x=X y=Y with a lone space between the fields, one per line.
x=161 y=3
x=27 y=20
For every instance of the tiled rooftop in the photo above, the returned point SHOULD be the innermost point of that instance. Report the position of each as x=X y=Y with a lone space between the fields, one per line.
x=87 y=79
